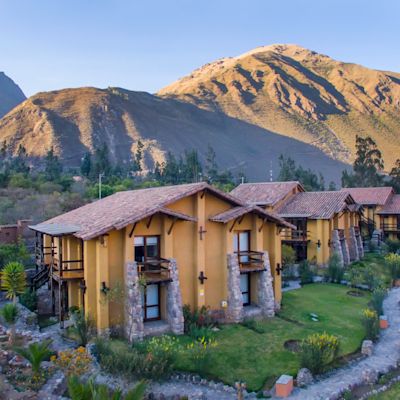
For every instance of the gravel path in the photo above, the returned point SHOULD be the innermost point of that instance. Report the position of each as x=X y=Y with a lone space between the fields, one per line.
x=385 y=357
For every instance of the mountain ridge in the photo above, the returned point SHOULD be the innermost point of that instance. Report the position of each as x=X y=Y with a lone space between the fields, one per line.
x=10 y=94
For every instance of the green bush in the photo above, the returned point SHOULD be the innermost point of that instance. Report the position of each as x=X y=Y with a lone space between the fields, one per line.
x=151 y=359
x=335 y=271
x=198 y=318
x=378 y=295
x=317 y=351
x=370 y=278
x=371 y=324
x=306 y=272
x=392 y=261
x=354 y=276
x=393 y=245
x=36 y=353
x=84 y=327
x=9 y=312
x=288 y=261
x=29 y=299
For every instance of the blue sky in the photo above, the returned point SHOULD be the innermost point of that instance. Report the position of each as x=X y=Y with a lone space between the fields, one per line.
x=145 y=45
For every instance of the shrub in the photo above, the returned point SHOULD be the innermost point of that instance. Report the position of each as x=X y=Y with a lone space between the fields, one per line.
x=393 y=245
x=201 y=354
x=83 y=327
x=91 y=391
x=371 y=324
x=10 y=313
x=392 y=261
x=354 y=276
x=73 y=361
x=317 y=351
x=288 y=261
x=378 y=295
x=29 y=299
x=13 y=280
x=369 y=278
x=335 y=271
x=36 y=353
x=199 y=317
x=306 y=272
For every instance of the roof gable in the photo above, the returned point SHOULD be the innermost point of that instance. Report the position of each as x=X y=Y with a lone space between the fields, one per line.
x=316 y=205
x=124 y=208
x=265 y=193
x=371 y=195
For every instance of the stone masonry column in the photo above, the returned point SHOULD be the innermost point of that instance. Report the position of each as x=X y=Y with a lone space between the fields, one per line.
x=336 y=246
x=345 y=250
x=353 y=245
x=234 y=311
x=360 y=245
x=174 y=301
x=265 y=291
x=134 y=326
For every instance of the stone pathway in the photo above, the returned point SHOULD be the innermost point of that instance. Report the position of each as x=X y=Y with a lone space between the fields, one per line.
x=384 y=358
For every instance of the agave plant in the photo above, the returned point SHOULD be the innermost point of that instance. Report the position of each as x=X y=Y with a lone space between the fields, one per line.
x=10 y=312
x=78 y=390
x=13 y=280
x=36 y=353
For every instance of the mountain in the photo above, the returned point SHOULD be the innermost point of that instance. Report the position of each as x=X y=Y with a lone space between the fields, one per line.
x=251 y=108
x=10 y=94
x=301 y=94
x=73 y=121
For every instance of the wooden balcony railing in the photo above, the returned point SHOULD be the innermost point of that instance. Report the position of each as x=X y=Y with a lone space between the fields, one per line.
x=390 y=227
x=154 y=269
x=294 y=235
x=67 y=269
x=341 y=234
x=250 y=261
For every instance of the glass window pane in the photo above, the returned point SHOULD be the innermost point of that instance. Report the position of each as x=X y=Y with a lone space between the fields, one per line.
x=245 y=298
x=138 y=240
x=150 y=240
x=244 y=241
x=244 y=283
x=153 y=312
x=152 y=295
x=235 y=242
x=139 y=253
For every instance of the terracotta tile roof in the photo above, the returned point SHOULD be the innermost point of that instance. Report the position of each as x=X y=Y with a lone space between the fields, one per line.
x=237 y=212
x=315 y=205
x=264 y=193
x=370 y=196
x=392 y=206
x=124 y=208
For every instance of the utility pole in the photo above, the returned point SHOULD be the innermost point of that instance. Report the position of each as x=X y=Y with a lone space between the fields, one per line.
x=100 y=176
x=270 y=172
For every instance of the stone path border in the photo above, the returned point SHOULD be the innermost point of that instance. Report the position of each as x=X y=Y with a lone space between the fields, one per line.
x=384 y=358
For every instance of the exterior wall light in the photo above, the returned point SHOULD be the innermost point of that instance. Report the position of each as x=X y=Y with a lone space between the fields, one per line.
x=104 y=289
x=318 y=243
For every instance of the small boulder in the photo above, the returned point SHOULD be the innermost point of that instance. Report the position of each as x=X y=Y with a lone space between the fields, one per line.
x=18 y=361
x=370 y=376
x=304 y=377
x=367 y=347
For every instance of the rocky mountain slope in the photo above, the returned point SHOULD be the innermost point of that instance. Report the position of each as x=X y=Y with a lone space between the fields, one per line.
x=301 y=94
x=10 y=94
x=74 y=121
x=251 y=108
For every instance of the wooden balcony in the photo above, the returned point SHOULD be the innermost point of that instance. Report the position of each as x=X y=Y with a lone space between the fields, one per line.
x=251 y=261
x=154 y=270
x=291 y=235
x=357 y=230
x=341 y=234
x=70 y=269
x=390 y=227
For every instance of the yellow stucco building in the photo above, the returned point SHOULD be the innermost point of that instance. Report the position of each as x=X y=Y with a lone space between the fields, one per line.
x=326 y=221
x=133 y=259
x=381 y=211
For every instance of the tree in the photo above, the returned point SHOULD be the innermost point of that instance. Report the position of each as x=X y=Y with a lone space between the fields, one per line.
x=211 y=167
x=86 y=164
x=53 y=167
x=102 y=164
x=13 y=280
x=367 y=166
x=19 y=163
x=137 y=162
x=395 y=176
x=287 y=169
x=192 y=166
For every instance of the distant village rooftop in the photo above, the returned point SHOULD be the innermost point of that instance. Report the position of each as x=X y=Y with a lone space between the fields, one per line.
x=123 y=208
x=265 y=193
x=370 y=195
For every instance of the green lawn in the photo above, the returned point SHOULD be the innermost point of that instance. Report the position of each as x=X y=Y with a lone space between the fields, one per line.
x=258 y=359
x=392 y=394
